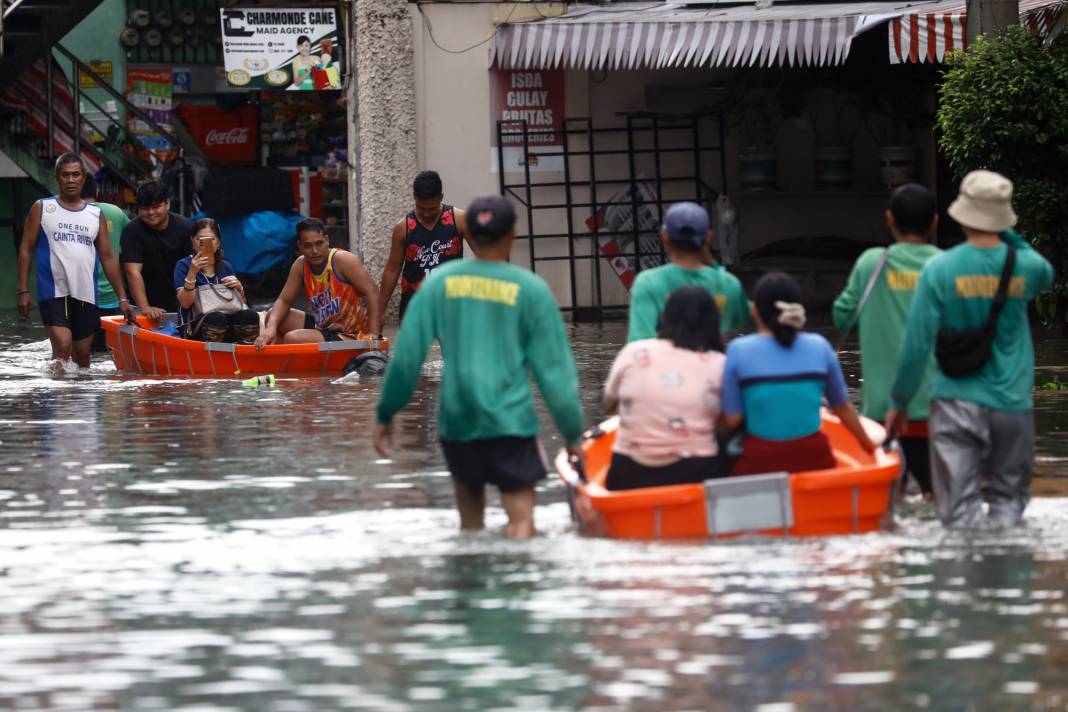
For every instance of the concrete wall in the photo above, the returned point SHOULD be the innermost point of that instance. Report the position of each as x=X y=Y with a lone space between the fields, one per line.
x=384 y=130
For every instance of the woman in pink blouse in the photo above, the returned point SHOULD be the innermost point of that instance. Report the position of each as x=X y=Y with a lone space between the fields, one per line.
x=667 y=391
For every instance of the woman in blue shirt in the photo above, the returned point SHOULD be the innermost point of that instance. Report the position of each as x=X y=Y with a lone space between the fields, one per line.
x=207 y=274
x=774 y=382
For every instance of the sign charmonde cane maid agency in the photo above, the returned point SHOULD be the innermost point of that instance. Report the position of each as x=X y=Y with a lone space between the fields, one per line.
x=281 y=48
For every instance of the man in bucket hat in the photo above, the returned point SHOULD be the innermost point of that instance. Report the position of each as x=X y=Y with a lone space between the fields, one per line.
x=685 y=236
x=981 y=425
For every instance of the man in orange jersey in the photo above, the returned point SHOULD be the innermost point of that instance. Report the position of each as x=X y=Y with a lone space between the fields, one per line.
x=343 y=300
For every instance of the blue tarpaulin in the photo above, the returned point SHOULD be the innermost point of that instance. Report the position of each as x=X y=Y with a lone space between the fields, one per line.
x=257 y=242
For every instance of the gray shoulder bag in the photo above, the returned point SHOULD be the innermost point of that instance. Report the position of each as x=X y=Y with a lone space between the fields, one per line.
x=863 y=298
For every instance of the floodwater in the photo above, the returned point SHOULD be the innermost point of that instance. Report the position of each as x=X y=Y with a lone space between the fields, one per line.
x=197 y=545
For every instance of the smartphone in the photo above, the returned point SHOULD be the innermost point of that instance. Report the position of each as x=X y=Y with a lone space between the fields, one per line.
x=205 y=246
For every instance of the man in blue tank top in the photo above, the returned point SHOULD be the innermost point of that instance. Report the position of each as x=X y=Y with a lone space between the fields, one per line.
x=69 y=237
x=428 y=237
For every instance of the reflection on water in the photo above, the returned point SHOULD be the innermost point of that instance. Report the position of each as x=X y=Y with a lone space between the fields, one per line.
x=178 y=544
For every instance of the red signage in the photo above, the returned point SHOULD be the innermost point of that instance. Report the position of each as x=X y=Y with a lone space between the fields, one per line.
x=223 y=135
x=536 y=97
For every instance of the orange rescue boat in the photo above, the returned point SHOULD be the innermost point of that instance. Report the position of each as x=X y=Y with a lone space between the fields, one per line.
x=851 y=498
x=137 y=349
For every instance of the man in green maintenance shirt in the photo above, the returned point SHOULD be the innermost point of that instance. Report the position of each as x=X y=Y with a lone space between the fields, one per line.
x=496 y=323
x=912 y=218
x=107 y=302
x=685 y=235
x=982 y=424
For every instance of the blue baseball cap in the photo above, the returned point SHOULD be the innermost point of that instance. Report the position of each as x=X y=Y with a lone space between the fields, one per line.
x=686 y=223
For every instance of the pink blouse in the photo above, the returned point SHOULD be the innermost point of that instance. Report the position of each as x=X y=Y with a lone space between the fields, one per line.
x=669 y=399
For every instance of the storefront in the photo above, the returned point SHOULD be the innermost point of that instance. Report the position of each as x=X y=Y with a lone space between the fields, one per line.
x=253 y=94
x=797 y=118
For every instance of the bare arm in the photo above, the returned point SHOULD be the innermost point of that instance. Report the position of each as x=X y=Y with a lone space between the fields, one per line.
x=733 y=422
x=848 y=415
x=137 y=290
x=29 y=242
x=461 y=225
x=350 y=267
x=110 y=263
x=280 y=309
x=393 y=265
x=186 y=297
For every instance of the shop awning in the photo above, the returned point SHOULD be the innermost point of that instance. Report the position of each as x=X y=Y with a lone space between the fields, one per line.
x=675 y=34
x=927 y=36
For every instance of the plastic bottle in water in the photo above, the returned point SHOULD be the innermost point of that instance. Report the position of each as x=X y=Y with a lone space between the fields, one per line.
x=257 y=381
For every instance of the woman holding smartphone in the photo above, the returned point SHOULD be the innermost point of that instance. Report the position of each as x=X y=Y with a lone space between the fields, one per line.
x=211 y=300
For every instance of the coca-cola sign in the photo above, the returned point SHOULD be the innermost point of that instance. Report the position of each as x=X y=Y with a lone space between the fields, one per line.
x=225 y=135
x=232 y=137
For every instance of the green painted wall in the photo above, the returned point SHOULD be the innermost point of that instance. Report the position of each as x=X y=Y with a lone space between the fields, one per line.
x=16 y=197
x=97 y=38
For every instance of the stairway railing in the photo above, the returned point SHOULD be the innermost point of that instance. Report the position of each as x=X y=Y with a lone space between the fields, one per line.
x=3 y=16
x=113 y=126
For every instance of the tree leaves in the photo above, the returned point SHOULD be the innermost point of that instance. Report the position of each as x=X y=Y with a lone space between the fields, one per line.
x=1003 y=106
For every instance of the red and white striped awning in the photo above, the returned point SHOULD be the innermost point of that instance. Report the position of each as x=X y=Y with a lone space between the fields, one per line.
x=655 y=35
x=929 y=36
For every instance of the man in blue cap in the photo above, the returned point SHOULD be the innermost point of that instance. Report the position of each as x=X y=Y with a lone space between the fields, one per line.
x=686 y=236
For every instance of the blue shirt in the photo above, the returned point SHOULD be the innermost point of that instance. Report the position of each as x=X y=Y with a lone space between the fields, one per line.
x=779 y=390
x=181 y=271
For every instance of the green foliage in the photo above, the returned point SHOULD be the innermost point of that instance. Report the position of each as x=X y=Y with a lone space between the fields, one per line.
x=1055 y=385
x=1003 y=106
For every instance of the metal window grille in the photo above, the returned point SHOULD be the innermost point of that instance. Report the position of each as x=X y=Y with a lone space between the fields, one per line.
x=675 y=156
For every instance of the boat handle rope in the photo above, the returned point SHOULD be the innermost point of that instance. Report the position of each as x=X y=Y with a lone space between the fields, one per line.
x=578 y=467
x=131 y=330
x=210 y=346
x=118 y=342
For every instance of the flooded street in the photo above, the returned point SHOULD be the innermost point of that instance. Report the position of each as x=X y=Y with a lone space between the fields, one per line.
x=198 y=545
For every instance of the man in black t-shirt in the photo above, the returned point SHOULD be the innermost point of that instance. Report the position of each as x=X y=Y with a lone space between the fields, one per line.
x=151 y=245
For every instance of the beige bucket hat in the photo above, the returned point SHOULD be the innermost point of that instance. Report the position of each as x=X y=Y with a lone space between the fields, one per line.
x=984 y=202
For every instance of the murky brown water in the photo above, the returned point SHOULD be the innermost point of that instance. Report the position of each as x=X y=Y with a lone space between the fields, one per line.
x=195 y=545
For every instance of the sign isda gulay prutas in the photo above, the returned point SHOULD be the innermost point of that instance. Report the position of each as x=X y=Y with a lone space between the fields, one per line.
x=531 y=103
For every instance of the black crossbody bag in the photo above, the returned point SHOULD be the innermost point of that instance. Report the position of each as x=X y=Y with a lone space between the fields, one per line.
x=962 y=353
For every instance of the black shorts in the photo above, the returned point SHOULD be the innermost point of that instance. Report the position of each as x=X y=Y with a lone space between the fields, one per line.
x=918 y=461
x=309 y=323
x=511 y=463
x=100 y=341
x=82 y=318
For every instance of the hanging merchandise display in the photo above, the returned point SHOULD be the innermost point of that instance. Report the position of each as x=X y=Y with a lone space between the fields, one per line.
x=164 y=31
x=129 y=37
x=151 y=91
x=139 y=19
x=152 y=38
x=281 y=48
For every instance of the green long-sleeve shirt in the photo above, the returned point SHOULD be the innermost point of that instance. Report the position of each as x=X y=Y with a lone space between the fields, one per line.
x=117 y=220
x=496 y=324
x=881 y=326
x=956 y=292
x=652 y=288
